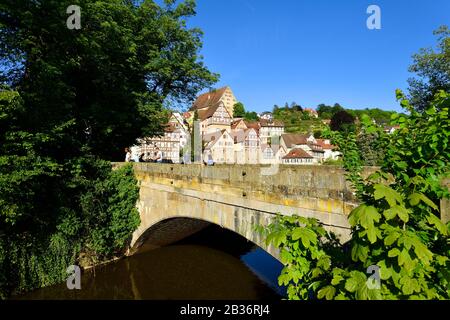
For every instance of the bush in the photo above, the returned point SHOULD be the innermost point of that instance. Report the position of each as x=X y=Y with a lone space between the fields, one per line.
x=395 y=231
x=97 y=221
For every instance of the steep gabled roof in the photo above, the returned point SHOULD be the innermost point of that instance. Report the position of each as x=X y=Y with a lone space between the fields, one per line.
x=207 y=113
x=208 y=99
x=240 y=137
x=235 y=123
x=213 y=137
x=298 y=154
x=291 y=139
x=253 y=125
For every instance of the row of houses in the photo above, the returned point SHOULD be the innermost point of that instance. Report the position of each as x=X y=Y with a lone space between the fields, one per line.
x=233 y=140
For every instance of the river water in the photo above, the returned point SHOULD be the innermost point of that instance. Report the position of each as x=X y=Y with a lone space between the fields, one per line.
x=211 y=264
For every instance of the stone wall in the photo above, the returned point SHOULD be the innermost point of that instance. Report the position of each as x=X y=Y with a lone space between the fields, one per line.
x=239 y=197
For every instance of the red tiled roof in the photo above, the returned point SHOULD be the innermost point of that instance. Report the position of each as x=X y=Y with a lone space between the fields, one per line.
x=315 y=147
x=291 y=139
x=252 y=125
x=321 y=142
x=208 y=99
x=298 y=154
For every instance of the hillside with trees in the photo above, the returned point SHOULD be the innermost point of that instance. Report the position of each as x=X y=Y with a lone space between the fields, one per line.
x=296 y=120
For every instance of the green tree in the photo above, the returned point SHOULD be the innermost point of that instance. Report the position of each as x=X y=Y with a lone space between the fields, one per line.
x=336 y=108
x=251 y=116
x=324 y=111
x=327 y=112
x=432 y=67
x=381 y=117
x=296 y=107
x=371 y=148
x=342 y=121
x=239 y=110
x=317 y=134
x=396 y=228
x=75 y=99
x=130 y=58
x=306 y=115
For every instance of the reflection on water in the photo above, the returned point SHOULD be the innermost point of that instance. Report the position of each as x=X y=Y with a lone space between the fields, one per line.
x=265 y=267
x=212 y=264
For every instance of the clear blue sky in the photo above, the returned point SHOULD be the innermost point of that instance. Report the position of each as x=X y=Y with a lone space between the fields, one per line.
x=315 y=51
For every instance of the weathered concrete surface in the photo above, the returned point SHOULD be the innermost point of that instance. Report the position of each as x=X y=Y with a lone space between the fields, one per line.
x=239 y=197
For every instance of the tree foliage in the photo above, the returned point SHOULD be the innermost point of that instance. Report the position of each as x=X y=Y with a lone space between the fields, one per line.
x=70 y=101
x=327 y=112
x=251 y=116
x=378 y=115
x=296 y=120
x=342 y=121
x=239 y=110
x=432 y=69
x=105 y=83
x=396 y=229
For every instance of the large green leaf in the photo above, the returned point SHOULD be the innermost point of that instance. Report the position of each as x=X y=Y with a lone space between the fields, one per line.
x=391 y=196
x=440 y=226
x=356 y=280
x=416 y=197
x=393 y=253
x=305 y=235
x=368 y=215
x=351 y=284
x=372 y=234
x=391 y=238
x=385 y=272
x=328 y=292
x=360 y=252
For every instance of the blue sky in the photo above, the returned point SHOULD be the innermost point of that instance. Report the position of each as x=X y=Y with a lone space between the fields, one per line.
x=315 y=51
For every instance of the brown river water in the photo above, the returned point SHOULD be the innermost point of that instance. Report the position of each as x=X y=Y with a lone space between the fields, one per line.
x=211 y=264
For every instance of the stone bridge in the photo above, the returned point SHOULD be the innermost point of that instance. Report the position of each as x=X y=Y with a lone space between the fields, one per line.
x=178 y=200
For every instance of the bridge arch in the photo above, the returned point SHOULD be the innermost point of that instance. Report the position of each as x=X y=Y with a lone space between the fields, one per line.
x=172 y=230
x=240 y=197
x=180 y=216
